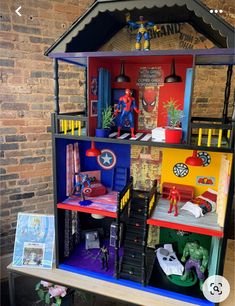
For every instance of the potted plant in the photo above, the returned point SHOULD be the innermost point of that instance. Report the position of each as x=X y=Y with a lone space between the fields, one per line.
x=107 y=121
x=55 y=295
x=173 y=132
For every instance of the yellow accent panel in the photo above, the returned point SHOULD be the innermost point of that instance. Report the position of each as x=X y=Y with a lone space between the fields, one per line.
x=219 y=138
x=62 y=125
x=72 y=127
x=209 y=138
x=199 y=137
x=174 y=156
x=65 y=126
x=79 y=128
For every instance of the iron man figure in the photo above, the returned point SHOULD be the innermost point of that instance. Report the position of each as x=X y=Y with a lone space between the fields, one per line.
x=174 y=198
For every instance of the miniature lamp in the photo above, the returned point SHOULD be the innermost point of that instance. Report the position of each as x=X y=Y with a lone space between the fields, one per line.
x=194 y=160
x=173 y=78
x=122 y=77
x=95 y=216
x=93 y=152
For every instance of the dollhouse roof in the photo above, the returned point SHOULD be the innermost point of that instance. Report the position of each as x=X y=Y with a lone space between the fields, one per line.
x=105 y=18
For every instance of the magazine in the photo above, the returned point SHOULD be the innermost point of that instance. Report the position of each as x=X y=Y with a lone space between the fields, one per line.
x=34 y=241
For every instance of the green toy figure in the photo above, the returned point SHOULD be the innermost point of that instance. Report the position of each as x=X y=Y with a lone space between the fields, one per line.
x=198 y=259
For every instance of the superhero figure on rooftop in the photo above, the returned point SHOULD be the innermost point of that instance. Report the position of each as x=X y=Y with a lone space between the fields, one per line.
x=143 y=27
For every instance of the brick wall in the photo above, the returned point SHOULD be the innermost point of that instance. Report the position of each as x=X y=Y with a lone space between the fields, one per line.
x=209 y=85
x=27 y=101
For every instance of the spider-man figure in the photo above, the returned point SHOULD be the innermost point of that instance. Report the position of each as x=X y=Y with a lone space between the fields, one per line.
x=126 y=106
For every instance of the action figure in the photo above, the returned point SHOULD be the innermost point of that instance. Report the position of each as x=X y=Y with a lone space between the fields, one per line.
x=125 y=107
x=104 y=256
x=82 y=183
x=174 y=198
x=143 y=27
x=198 y=259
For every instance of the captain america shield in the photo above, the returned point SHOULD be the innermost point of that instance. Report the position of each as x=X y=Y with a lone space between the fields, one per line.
x=107 y=159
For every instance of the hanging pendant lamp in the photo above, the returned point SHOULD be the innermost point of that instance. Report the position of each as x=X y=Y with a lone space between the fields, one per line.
x=194 y=160
x=173 y=78
x=93 y=152
x=122 y=77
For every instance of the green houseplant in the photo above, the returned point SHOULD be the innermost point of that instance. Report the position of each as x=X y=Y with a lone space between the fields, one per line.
x=107 y=121
x=173 y=131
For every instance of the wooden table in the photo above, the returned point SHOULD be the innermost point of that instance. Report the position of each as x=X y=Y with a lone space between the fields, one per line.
x=117 y=291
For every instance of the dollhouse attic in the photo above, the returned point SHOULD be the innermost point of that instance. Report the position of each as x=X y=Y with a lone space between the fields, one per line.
x=106 y=18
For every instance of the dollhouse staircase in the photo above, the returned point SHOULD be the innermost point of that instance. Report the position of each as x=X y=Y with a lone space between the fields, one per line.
x=133 y=260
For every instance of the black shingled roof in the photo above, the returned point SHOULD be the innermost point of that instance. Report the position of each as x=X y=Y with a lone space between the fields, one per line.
x=105 y=18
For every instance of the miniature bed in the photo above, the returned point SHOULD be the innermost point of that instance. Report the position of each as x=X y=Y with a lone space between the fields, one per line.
x=186 y=220
x=105 y=204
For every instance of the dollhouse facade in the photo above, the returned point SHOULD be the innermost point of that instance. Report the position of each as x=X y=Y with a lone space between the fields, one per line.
x=125 y=206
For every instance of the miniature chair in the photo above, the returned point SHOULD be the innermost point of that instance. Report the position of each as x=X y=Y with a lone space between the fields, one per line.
x=92 y=240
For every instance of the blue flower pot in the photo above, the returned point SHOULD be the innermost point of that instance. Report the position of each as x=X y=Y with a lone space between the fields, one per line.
x=102 y=133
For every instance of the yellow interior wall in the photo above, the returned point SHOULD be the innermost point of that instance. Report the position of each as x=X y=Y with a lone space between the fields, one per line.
x=173 y=156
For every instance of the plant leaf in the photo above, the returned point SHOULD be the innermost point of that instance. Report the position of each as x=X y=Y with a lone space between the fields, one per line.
x=58 y=301
x=47 y=298
x=41 y=294
x=37 y=286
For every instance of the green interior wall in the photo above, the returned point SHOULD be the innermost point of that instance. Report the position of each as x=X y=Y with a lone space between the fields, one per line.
x=179 y=241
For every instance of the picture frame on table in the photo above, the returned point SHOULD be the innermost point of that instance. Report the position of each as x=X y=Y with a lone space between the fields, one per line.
x=34 y=241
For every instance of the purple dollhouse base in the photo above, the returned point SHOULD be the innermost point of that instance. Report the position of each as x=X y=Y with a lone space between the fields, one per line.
x=88 y=259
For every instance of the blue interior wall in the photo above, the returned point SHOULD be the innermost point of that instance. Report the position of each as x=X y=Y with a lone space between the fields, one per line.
x=121 y=151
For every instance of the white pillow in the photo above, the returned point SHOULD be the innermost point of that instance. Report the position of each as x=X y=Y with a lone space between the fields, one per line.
x=193 y=209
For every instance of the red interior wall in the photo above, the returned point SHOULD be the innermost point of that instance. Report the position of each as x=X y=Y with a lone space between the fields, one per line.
x=132 y=65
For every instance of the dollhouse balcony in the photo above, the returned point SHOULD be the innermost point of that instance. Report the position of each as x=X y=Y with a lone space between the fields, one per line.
x=211 y=132
x=74 y=124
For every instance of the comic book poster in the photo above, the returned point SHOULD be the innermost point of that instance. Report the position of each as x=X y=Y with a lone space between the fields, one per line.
x=146 y=165
x=34 y=241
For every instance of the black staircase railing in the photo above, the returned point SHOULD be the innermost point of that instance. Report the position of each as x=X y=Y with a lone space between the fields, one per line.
x=150 y=200
x=124 y=198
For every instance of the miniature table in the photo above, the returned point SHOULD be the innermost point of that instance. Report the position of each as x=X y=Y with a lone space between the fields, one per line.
x=114 y=290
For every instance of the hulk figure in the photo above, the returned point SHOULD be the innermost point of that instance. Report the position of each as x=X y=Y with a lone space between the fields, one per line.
x=198 y=259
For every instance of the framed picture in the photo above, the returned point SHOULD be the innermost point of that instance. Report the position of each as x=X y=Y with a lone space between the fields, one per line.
x=34 y=241
x=94 y=86
x=94 y=108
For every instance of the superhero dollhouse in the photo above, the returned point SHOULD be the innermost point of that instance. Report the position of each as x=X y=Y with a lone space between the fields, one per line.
x=137 y=205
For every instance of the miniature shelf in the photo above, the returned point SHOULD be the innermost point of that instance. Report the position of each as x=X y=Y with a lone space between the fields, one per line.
x=206 y=225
